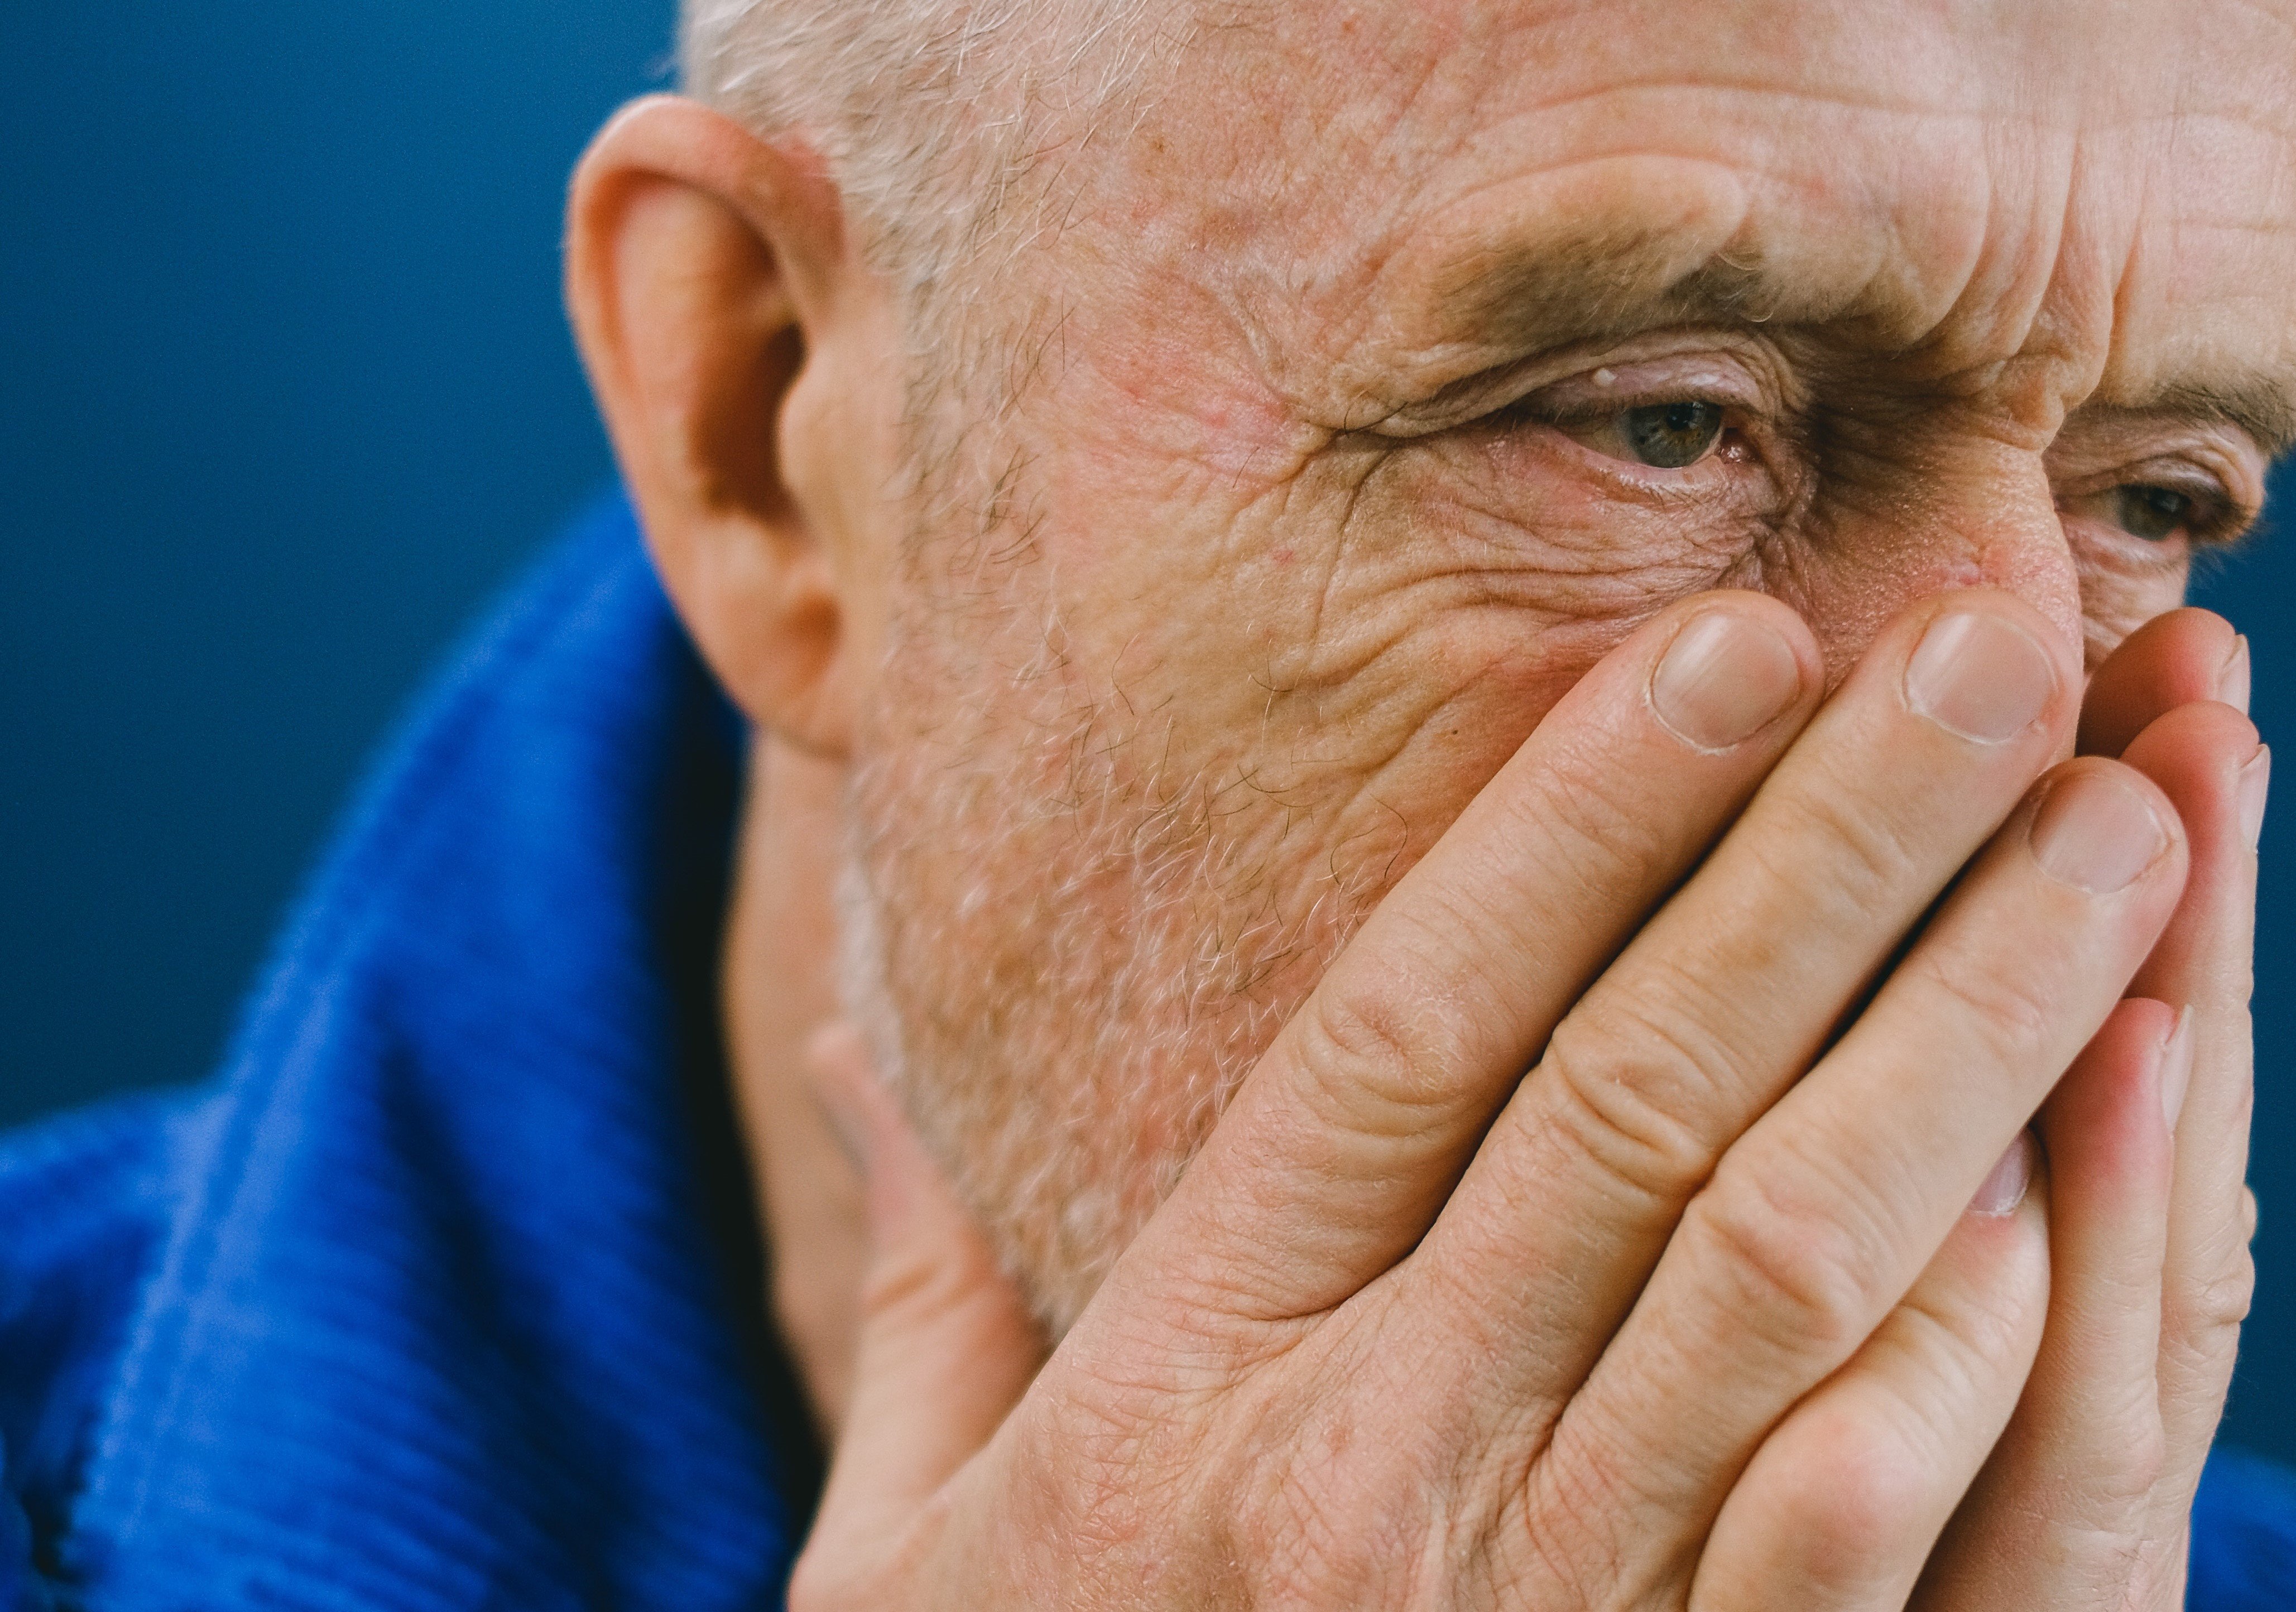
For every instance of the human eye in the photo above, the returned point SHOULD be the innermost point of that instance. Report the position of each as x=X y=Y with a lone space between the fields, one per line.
x=2162 y=512
x=1662 y=435
x=1664 y=417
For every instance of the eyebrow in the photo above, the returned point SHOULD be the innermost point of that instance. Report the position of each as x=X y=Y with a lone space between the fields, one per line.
x=1536 y=300
x=1532 y=300
x=2264 y=409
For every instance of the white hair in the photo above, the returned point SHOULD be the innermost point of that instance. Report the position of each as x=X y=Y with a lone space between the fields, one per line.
x=933 y=115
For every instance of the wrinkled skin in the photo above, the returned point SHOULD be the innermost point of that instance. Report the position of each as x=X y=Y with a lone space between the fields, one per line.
x=1256 y=719
x=1319 y=511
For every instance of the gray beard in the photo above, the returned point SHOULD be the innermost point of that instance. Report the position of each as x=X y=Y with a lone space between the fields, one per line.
x=1063 y=985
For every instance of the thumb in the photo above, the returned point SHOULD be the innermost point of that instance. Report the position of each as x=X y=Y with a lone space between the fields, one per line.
x=947 y=1345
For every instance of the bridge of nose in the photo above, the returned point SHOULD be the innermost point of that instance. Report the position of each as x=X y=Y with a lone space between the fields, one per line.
x=1947 y=514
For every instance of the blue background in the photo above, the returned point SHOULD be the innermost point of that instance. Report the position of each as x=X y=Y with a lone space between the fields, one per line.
x=285 y=389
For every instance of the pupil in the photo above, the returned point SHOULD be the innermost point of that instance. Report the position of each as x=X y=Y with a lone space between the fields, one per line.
x=1670 y=436
x=2153 y=512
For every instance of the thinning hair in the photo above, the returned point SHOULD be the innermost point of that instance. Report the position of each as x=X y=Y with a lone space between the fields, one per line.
x=937 y=118
x=953 y=130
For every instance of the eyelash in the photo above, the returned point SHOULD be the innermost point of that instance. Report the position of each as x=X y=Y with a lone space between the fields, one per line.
x=2216 y=520
x=1527 y=412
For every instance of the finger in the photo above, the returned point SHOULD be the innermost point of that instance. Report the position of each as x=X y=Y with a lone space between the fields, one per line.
x=2205 y=759
x=2173 y=660
x=1818 y=1220
x=1729 y=993
x=947 y=1345
x=1339 y=1147
x=2060 y=1516
x=1842 y=1504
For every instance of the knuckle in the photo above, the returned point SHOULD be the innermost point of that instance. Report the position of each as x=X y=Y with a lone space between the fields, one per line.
x=2014 y=1007
x=1631 y=1081
x=1780 y=1265
x=2140 y=1459
x=1595 y=824
x=2220 y=1304
x=1869 y=854
x=1372 y=1043
x=1386 y=1053
x=1853 y=1494
x=1971 y=1336
x=2200 y=1334
x=1360 y=1028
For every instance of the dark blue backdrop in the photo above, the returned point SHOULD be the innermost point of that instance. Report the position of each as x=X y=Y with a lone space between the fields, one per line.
x=285 y=389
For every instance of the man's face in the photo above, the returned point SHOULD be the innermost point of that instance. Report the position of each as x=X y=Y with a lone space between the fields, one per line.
x=1403 y=357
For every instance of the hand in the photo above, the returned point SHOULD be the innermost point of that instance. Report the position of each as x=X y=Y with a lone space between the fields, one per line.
x=2086 y=1502
x=1722 y=1305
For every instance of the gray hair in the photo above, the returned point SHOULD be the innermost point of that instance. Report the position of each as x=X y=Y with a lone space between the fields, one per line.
x=935 y=115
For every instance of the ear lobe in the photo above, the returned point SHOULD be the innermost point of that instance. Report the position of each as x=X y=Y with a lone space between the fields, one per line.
x=703 y=268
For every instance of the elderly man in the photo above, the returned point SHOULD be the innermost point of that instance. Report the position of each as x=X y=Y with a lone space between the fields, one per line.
x=1471 y=859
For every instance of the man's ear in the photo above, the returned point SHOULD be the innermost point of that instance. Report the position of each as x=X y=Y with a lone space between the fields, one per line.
x=721 y=320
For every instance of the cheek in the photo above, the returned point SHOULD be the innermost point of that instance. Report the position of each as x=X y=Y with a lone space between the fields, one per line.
x=1345 y=659
x=2124 y=584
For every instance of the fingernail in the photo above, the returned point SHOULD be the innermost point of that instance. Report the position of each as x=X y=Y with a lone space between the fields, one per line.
x=2232 y=683
x=2011 y=1178
x=2177 y=1067
x=2095 y=833
x=1726 y=678
x=2252 y=790
x=1979 y=677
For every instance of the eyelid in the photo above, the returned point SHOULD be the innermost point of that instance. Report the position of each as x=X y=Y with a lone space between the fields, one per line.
x=1747 y=372
x=2220 y=511
x=2216 y=519
x=2204 y=463
x=1592 y=394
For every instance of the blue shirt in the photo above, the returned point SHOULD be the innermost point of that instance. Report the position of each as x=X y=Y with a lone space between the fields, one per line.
x=448 y=1292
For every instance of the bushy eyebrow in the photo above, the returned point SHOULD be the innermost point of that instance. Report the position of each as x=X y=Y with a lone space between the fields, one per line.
x=1516 y=296
x=2262 y=407
x=1535 y=299
x=1532 y=301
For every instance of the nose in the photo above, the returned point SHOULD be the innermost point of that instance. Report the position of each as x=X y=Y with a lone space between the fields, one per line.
x=1982 y=516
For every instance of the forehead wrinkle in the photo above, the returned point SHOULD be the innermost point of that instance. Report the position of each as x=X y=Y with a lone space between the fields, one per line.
x=1616 y=245
x=1361 y=329
x=1625 y=235
x=2204 y=320
x=1566 y=259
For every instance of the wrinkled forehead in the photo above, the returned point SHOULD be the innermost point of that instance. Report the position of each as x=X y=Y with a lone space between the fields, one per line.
x=1391 y=194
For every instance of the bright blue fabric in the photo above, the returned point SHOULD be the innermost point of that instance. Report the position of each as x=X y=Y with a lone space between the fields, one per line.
x=447 y=1295
x=440 y=1297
